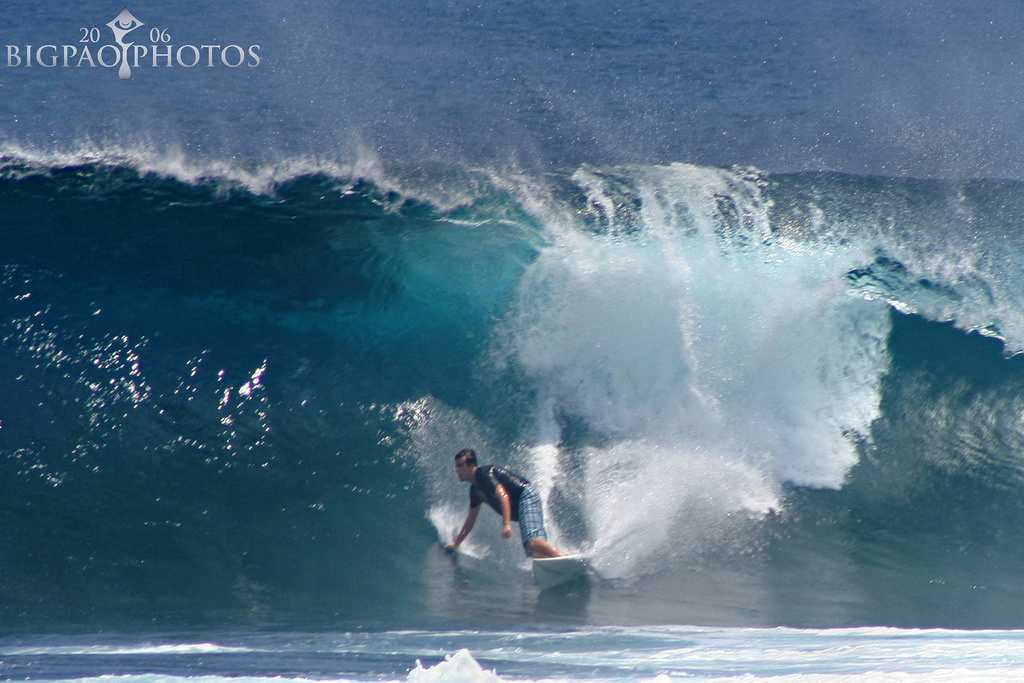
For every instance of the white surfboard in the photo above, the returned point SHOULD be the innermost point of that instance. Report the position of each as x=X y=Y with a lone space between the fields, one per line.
x=554 y=571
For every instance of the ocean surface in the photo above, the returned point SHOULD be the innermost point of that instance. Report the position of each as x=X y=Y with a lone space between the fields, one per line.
x=739 y=289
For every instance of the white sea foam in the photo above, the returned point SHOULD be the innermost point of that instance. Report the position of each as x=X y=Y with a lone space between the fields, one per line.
x=456 y=668
x=720 y=655
x=164 y=678
x=630 y=655
x=711 y=361
x=117 y=650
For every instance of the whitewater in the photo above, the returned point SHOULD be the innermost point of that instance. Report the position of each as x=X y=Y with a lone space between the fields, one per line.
x=652 y=655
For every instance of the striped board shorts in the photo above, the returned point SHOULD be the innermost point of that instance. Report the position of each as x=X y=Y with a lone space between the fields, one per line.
x=531 y=516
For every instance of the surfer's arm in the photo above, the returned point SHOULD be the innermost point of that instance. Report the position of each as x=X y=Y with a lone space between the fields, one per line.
x=506 y=511
x=466 y=527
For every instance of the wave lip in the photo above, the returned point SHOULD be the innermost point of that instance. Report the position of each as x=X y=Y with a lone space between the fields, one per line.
x=19 y=161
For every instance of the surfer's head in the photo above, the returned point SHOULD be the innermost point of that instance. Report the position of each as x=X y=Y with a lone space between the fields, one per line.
x=465 y=464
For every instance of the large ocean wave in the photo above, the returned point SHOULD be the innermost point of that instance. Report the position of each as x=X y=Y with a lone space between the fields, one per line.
x=776 y=398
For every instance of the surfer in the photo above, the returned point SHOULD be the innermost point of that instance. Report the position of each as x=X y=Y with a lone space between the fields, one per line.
x=511 y=496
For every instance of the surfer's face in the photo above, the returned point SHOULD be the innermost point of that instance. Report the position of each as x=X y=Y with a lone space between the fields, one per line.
x=463 y=470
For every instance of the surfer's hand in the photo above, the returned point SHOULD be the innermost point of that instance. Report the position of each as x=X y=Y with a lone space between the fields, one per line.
x=506 y=531
x=450 y=548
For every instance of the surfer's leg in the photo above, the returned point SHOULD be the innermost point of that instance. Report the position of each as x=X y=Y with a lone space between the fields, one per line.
x=531 y=525
x=538 y=547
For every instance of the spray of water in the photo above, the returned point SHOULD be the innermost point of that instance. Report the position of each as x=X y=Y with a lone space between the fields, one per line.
x=683 y=361
x=708 y=360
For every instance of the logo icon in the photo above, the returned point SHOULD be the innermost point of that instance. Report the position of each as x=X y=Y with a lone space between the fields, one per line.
x=123 y=24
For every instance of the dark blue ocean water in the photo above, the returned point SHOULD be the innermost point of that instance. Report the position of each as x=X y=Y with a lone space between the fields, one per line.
x=738 y=288
x=919 y=88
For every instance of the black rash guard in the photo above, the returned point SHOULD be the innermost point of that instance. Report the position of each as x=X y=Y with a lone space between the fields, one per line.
x=485 y=487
